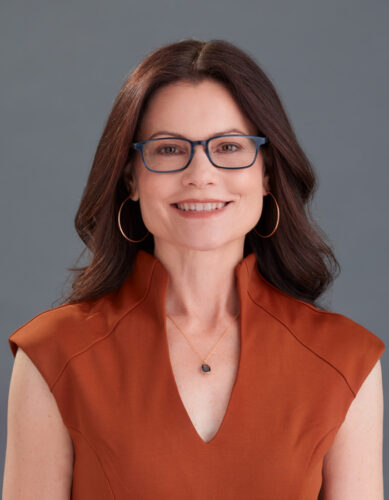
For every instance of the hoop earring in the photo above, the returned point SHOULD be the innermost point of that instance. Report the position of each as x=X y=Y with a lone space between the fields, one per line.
x=277 y=221
x=120 y=226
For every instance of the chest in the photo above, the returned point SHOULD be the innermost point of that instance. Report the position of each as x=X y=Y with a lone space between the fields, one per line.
x=204 y=395
x=164 y=429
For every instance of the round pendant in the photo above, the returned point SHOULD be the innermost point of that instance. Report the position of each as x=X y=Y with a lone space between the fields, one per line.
x=206 y=368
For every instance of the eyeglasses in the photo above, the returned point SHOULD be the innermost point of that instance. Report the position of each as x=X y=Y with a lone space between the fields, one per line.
x=172 y=154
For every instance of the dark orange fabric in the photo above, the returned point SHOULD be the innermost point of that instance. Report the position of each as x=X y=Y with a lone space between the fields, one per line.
x=108 y=367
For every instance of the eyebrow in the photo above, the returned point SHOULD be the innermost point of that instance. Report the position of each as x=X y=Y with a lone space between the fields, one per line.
x=174 y=134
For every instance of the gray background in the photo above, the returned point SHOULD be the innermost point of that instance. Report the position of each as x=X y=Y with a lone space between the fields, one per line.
x=63 y=63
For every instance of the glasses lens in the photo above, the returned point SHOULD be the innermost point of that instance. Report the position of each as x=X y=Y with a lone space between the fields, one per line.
x=232 y=151
x=165 y=155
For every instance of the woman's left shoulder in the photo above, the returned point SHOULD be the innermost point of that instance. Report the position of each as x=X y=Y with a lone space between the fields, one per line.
x=348 y=345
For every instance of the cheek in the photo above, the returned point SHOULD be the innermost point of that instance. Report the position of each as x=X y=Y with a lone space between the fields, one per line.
x=148 y=184
x=149 y=199
x=249 y=187
x=250 y=183
x=154 y=191
x=255 y=203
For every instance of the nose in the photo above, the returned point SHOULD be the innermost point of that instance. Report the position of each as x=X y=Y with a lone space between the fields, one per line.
x=200 y=170
x=200 y=155
x=197 y=148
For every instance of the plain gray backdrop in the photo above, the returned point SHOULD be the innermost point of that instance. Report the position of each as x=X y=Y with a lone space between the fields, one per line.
x=62 y=65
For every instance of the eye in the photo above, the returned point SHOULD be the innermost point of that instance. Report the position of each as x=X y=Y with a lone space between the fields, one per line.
x=169 y=150
x=229 y=147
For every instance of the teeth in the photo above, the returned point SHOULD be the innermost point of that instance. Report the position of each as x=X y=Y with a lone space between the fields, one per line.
x=200 y=206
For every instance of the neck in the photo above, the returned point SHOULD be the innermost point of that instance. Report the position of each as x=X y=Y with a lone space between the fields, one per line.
x=202 y=287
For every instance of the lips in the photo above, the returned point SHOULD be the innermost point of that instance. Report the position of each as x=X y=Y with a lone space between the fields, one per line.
x=200 y=202
x=201 y=214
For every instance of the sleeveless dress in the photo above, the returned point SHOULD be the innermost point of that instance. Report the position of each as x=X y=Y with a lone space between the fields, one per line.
x=107 y=364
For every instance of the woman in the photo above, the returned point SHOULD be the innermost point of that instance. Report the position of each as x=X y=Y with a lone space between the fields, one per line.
x=192 y=359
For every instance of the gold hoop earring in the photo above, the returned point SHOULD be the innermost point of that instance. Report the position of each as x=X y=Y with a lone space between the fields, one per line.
x=120 y=225
x=277 y=221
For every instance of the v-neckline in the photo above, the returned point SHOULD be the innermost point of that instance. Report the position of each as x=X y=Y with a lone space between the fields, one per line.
x=151 y=281
x=178 y=397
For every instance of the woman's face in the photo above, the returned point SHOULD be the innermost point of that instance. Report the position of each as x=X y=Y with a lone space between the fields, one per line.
x=197 y=111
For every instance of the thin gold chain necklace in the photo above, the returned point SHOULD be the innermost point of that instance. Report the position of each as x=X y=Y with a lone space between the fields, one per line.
x=205 y=367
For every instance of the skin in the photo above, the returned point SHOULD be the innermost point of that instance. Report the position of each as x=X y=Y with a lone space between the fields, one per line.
x=39 y=454
x=353 y=468
x=198 y=253
x=200 y=256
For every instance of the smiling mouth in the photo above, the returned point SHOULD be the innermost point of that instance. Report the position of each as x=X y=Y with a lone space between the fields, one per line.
x=204 y=207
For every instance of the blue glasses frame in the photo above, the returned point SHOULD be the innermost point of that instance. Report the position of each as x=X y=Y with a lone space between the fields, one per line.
x=259 y=141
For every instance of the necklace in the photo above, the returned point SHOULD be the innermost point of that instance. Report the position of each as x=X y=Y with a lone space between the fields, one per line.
x=205 y=367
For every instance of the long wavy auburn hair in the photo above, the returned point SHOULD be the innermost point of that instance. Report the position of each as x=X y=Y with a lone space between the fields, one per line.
x=296 y=259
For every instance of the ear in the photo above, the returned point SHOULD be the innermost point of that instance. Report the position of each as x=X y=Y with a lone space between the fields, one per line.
x=265 y=184
x=130 y=182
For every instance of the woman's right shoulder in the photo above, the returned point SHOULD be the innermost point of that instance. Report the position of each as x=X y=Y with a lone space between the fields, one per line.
x=53 y=336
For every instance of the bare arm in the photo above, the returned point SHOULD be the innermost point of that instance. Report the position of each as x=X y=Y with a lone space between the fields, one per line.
x=352 y=468
x=39 y=453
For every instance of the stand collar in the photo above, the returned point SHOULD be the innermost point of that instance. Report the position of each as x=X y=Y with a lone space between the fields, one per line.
x=150 y=279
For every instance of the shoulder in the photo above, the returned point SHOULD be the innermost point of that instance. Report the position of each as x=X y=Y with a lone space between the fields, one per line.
x=349 y=347
x=55 y=336
x=52 y=337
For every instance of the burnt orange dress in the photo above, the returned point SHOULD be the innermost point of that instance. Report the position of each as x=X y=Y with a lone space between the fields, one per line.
x=107 y=364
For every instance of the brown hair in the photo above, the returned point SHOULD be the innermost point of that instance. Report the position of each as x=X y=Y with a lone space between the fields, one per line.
x=295 y=259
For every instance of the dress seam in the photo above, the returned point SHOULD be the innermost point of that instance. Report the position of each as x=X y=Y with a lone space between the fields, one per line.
x=96 y=455
x=107 y=334
x=303 y=302
x=302 y=343
x=313 y=452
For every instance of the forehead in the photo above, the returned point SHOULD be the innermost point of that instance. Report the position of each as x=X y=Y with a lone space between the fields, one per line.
x=194 y=110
